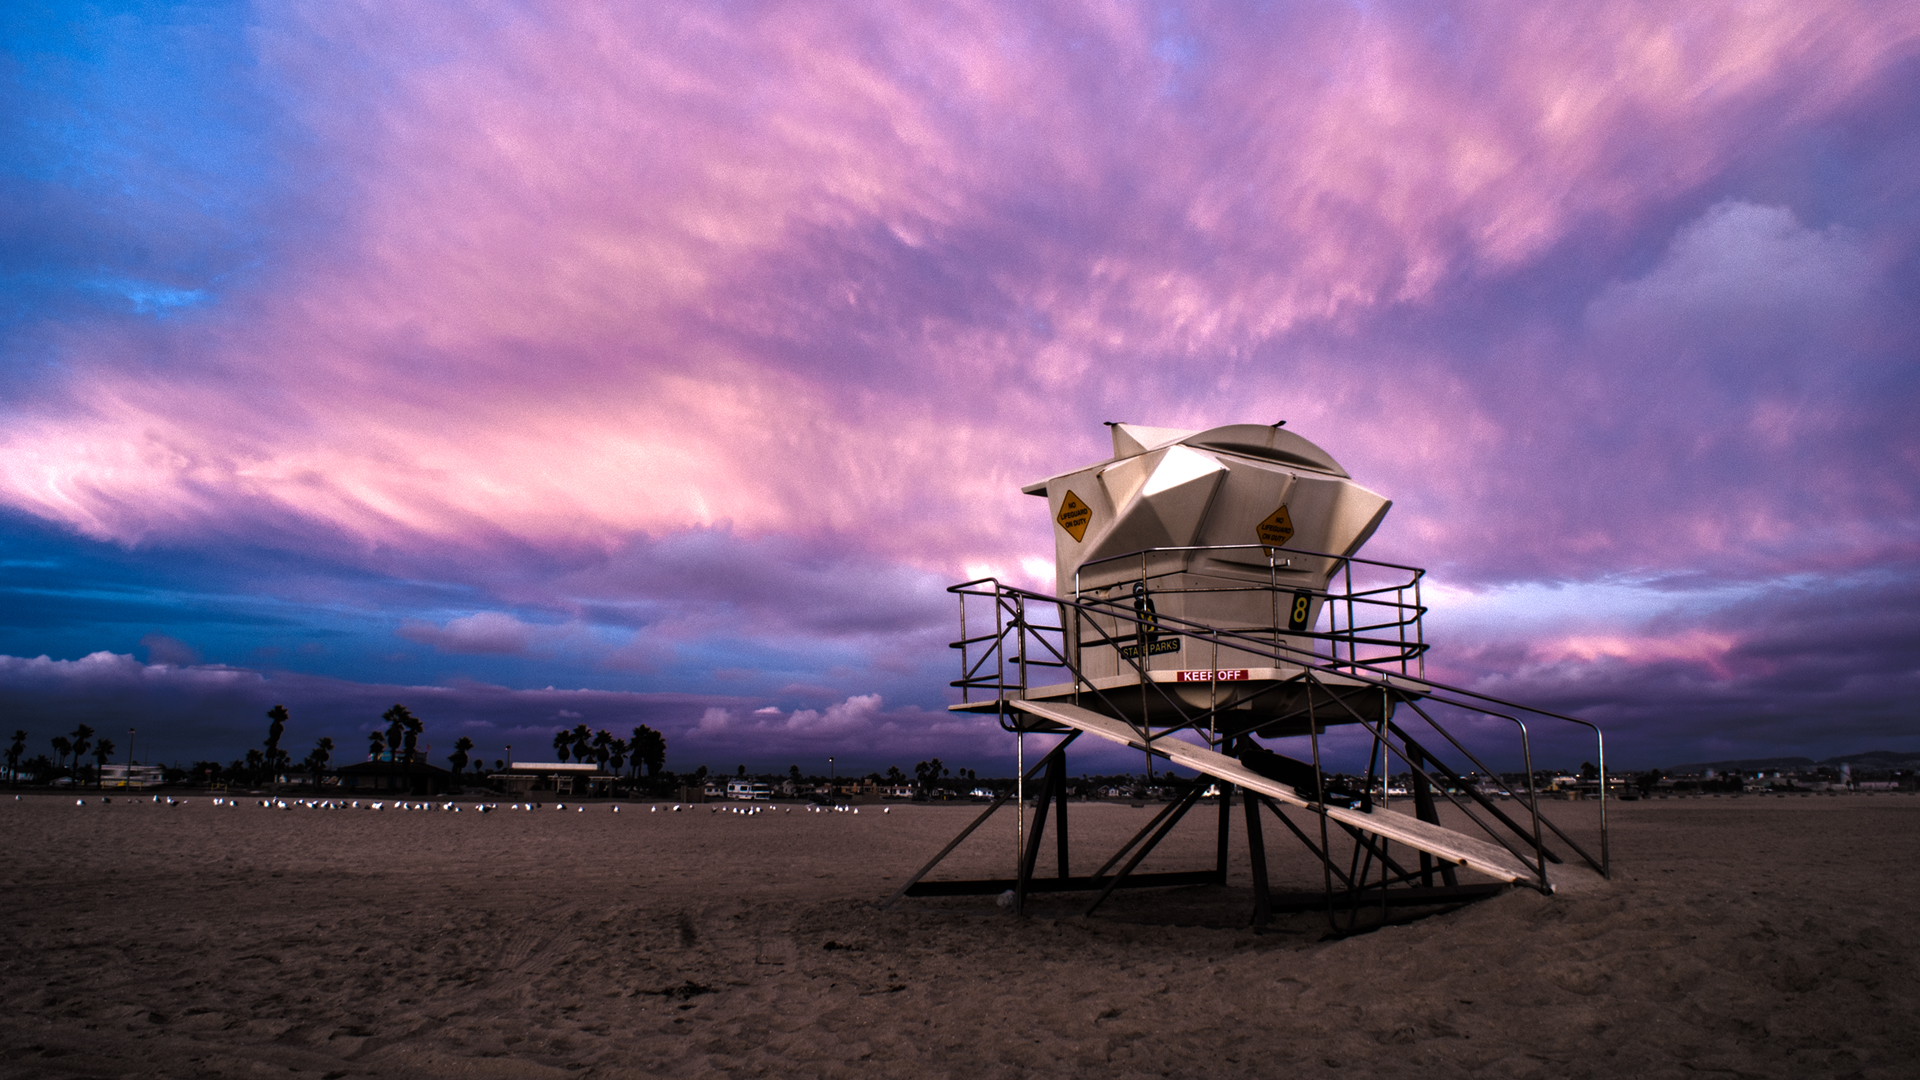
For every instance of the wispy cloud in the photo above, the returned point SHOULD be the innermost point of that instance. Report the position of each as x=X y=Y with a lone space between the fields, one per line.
x=703 y=343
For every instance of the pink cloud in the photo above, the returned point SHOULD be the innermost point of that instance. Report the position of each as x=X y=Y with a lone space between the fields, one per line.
x=610 y=274
x=483 y=632
x=1704 y=649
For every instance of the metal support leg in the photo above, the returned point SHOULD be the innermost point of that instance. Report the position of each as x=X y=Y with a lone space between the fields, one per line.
x=1424 y=809
x=1226 y=822
x=1257 y=855
x=1180 y=811
x=1032 y=854
x=998 y=801
x=1057 y=771
x=1325 y=859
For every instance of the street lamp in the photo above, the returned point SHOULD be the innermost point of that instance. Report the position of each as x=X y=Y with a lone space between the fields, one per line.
x=127 y=780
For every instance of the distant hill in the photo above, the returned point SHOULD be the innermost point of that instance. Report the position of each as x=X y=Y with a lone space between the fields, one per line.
x=1766 y=764
x=1879 y=759
x=1872 y=759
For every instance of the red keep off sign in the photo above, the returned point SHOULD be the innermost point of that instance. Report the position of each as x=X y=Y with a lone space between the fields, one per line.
x=1223 y=675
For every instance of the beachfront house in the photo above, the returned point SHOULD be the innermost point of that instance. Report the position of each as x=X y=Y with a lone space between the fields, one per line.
x=579 y=779
x=395 y=778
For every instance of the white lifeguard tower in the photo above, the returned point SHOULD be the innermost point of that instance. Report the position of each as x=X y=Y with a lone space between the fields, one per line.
x=1209 y=595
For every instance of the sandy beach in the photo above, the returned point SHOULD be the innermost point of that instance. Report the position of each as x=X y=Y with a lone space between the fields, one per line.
x=1756 y=936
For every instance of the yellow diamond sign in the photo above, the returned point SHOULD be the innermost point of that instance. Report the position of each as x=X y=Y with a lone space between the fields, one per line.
x=1074 y=516
x=1277 y=529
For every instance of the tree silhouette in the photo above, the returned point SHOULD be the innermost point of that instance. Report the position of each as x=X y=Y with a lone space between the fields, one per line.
x=376 y=745
x=14 y=751
x=927 y=772
x=82 y=737
x=254 y=760
x=62 y=746
x=276 y=758
x=102 y=750
x=318 y=758
x=562 y=744
x=403 y=731
x=602 y=747
x=617 y=752
x=395 y=729
x=582 y=742
x=649 y=749
x=458 y=759
x=414 y=730
x=403 y=734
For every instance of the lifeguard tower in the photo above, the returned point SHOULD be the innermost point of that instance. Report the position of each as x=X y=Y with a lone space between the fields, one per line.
x=1209 y=599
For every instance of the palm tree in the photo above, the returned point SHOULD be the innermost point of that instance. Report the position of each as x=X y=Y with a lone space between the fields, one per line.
x=414 y=729
x=582 y=742
x=62 y=746
x=562 y=742
x=402 y=731
x=459 y=756
x=254 y=761
x=376 y=745
x=13 y=757
x=649 y=749
x=618 y=752
x=277 y=714
x=317 y=759
x=102 y=750
x=82 y=737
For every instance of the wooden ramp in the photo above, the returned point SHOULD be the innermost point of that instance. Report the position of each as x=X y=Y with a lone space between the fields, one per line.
x=1442 y=843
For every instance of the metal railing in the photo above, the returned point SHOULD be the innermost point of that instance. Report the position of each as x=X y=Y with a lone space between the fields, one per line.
x=1373 y=638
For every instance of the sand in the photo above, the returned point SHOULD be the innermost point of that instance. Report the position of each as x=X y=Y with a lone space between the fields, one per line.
x=1741 y=937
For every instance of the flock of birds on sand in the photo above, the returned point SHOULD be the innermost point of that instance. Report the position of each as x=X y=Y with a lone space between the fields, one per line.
x=455 y=808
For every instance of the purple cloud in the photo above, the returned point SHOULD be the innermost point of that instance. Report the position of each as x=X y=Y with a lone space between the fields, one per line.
x=706 y=343
x=480 y=633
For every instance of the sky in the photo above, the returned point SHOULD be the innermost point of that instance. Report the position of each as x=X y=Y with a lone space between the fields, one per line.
x=537 y=363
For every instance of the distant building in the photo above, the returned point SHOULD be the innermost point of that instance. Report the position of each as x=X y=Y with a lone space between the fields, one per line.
x=129 y=776
x=395 y=777
x=748 y=789
x=580 y=779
